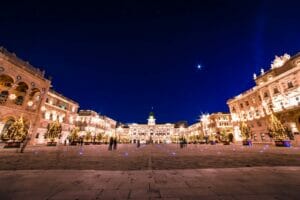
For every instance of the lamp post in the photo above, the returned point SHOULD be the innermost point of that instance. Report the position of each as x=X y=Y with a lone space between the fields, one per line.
x=205 y=121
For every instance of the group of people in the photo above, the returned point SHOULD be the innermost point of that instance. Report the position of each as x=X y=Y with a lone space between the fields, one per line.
x=183 y=142
x=112 y=144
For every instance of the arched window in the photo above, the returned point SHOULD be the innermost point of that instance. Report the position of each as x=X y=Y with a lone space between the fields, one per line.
x=275 y=90
x=3 y=96
x=290 y=84
x=8 y=123
x=21 y=91
x=6 y=81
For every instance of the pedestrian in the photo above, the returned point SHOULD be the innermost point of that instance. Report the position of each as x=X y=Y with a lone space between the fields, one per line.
x=185 y=142
x=110 y=144
x=138 y=144
x=115 y=143
x=65 y=142
x=181 y=142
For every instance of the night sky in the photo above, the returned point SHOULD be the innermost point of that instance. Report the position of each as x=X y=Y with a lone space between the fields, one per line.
x=124 y=57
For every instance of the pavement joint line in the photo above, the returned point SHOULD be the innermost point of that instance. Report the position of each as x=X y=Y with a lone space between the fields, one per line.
x=99 y=194
x=150 y=162
x=129 y=194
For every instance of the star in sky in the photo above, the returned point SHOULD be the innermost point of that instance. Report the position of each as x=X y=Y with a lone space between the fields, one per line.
x=199 y=66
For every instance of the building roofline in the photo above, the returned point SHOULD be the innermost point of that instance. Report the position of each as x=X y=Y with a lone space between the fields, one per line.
x=62 y=96
x=23 y=64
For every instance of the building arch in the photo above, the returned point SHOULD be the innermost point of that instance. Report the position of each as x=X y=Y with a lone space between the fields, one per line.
x=34 y=98
x=20 y=92
x=7 y=123
x=6 y=81
x=22 y=87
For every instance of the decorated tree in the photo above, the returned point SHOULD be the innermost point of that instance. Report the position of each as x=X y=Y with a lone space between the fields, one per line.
x=192 y=138
x=276 y=128
x=212 y=137
x=53 y=130
x=105 y=138
x=99 y=137
x=224 y=135
x=88 y=136
x=245 y=131
x=17 y=131
x=200 y=137
x=73 y=136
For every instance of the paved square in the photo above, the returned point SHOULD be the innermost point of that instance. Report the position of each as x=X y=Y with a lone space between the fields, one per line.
x=148 y=157
x=151 y=172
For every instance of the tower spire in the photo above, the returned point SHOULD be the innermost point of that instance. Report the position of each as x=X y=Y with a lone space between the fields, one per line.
x=151 y=119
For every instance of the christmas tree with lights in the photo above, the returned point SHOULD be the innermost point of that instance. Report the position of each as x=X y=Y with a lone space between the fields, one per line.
x=54 y=130
x=276 y=128
x=73 y=136
x=245 y=131
x=17 y=131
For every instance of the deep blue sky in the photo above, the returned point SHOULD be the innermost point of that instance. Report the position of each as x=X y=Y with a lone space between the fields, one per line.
x=124 y=57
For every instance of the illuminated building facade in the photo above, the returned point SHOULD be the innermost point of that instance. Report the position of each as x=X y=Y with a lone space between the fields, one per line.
x=220 y=122
x=91 y=121
x=23 y=91
x=212 y=124
x=151 y=132
x=195 y=132
x=277 y=90
x=60 y=108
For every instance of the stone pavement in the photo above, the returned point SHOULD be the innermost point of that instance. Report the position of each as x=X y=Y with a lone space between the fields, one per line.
x=234 y=183
x=153 y=157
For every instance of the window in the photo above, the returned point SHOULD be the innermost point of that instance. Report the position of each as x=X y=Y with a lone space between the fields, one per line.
x=259 y=97
x=258 y=123
x=241 y=105
x=275 y=90
x=290 y=84
x=247 y=103
x=250 y=114
x=266 y=95
x=233 y=109
x=257 y=113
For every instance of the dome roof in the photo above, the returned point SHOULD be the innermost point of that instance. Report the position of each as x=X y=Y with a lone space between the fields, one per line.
x=151 y=114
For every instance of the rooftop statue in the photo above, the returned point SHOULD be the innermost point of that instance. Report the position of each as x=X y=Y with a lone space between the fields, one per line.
x=280 y=60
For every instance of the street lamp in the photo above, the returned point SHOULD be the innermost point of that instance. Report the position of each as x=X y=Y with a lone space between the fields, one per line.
x=205 y=121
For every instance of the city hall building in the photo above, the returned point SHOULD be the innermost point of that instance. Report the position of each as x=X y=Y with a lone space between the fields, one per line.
x=151 y=132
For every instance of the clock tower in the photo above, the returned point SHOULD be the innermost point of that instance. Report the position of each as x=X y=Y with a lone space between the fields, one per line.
x=151 y=119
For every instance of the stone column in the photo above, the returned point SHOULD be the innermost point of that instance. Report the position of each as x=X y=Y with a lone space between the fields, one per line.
x=2 y=124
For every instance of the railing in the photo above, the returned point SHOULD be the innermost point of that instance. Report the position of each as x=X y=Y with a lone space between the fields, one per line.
x=63 y=97
x=23 y=63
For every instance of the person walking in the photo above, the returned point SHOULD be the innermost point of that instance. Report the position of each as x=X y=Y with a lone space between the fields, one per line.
x=110 y=143
x=181 y=142
x=81 y=140
x=115 y=143
x=138 y=144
